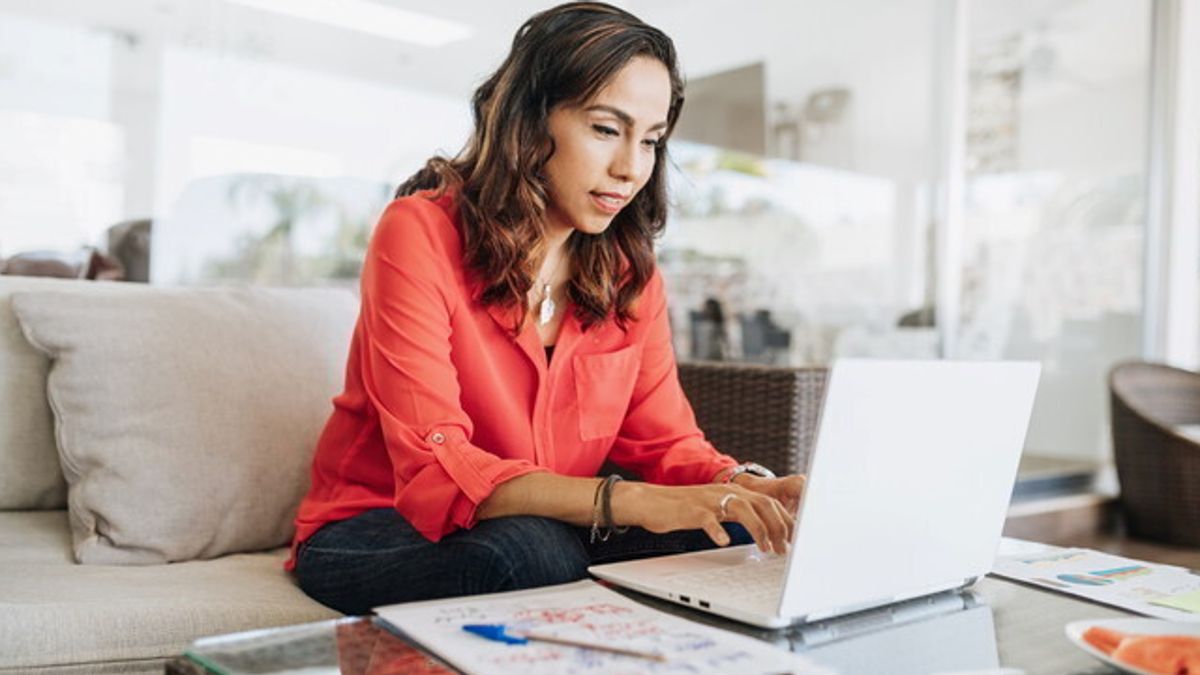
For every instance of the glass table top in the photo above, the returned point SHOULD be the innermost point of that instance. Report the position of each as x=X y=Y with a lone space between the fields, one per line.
x=995 y=627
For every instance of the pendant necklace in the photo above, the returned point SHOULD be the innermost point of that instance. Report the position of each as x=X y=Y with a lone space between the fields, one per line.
x=547 y=306
x=546 y=312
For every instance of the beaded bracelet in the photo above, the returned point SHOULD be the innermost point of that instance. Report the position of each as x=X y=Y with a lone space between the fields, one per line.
x=602 y=511
x=596 y=512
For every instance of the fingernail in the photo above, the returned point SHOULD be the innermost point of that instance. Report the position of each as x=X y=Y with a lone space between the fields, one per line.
x=723 y=539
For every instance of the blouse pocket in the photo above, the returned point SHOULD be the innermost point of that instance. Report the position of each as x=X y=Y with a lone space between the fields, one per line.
x=603 y=386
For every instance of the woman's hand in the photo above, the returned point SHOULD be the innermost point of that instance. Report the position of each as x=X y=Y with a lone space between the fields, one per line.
x=787 y=489
x=662 y=508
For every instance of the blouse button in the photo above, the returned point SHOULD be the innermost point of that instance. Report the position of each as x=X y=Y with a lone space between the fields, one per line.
x=437 y=437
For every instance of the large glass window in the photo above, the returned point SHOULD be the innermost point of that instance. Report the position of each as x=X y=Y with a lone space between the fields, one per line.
x=61 y=177
x=807 y=170
x=802 y=229
x=225 y=113
x=1054 y=212
x=333 y=142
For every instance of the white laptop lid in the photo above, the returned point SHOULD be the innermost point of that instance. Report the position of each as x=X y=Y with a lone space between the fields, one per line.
x=909 y=481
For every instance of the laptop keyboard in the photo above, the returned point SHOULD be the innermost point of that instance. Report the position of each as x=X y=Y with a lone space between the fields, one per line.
x=756 y=580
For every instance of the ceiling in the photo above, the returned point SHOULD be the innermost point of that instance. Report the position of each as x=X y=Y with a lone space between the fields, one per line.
x=884 y=51
x=807 y=44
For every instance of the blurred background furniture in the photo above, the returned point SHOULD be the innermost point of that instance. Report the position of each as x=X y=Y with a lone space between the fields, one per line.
x=757 y=413
x=764 y=341
x=709 y=333
x=129 y=244
x=127 y=258
x=84 y=263
x=1155 y=425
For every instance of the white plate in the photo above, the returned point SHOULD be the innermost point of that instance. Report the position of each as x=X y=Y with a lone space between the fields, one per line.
x=1076 y=629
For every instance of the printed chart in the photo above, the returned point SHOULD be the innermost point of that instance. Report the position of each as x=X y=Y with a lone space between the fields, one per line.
x=1162 y=591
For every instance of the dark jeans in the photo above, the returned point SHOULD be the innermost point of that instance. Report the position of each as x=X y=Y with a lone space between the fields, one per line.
x=377 y=558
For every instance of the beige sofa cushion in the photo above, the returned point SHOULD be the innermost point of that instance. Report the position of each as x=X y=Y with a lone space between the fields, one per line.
x=186 y=418
x=124 y=619
x=30 y=477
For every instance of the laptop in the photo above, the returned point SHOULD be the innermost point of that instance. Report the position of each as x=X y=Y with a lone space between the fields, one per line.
x=908 y=486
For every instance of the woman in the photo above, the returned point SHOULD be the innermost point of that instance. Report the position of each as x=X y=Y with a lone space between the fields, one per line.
x=513 y=336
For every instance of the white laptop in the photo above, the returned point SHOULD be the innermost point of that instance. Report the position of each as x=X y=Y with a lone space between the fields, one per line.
x=908 y=486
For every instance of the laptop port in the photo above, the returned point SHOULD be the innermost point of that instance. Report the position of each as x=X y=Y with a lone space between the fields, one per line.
x=704 y=604
x=684 y=598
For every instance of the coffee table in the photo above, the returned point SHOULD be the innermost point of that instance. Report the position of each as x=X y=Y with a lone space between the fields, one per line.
x=353 y=645
x=1002 y=623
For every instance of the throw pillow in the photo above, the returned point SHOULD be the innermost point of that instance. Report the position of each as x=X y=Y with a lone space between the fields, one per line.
x=30 y=477
x=186 y=418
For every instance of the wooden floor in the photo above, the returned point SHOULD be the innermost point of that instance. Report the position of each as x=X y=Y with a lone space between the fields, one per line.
x=1088 y=519
x=1092 y=524
x=1123 y=545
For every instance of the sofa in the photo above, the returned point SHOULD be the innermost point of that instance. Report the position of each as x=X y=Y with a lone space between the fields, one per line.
x=154 y=444
x=122 y=402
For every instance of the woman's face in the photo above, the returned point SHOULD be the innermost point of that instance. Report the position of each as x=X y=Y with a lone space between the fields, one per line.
x=604 y=150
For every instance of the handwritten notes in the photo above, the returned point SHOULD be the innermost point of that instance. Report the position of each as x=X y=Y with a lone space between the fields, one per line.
x=588 y=612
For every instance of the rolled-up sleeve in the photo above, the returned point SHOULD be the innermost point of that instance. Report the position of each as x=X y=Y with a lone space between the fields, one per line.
x=410 y=378
x=659 y=439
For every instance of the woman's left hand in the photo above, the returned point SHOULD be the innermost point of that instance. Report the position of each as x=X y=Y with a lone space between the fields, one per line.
x=786 y=489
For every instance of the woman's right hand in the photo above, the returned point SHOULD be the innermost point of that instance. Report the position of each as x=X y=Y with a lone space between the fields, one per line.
x=665 y=508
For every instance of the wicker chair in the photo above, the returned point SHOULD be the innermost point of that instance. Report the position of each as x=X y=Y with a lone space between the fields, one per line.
x=757 y=413
x=1157 y=465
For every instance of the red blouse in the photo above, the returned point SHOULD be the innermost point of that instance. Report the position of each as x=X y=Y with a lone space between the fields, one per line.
x=441 y=402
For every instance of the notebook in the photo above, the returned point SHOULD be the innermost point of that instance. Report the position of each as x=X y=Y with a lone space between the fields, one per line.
x=908 y=485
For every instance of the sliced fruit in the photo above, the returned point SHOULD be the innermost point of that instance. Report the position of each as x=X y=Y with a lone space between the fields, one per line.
x=1167 y=654
x=1104 y=639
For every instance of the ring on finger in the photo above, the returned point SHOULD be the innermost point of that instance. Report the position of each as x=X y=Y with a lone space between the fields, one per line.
x=724 y=504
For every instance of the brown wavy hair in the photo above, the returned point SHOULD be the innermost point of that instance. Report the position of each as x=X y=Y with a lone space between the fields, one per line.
x=561 y=56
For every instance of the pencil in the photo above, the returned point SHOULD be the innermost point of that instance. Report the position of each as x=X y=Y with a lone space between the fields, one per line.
x=498 y=632
x=653 y=656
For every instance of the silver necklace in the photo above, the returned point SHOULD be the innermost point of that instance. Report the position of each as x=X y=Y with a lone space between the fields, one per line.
x=547 y=307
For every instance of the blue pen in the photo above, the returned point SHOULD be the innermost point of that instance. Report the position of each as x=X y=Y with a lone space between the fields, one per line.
x=498 y=632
